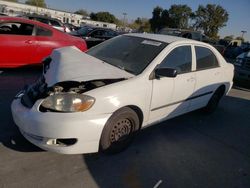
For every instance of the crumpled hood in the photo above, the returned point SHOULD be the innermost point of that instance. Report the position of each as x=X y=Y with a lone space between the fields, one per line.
x=70 y=64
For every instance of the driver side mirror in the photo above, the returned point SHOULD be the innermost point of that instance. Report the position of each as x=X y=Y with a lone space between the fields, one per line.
x=165 y=72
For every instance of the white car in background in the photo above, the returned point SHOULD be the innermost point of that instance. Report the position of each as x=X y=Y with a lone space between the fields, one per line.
x=101 y=98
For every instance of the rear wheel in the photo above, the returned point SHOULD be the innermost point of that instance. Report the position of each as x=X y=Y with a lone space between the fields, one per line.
x=119 y=130
x=214 y=100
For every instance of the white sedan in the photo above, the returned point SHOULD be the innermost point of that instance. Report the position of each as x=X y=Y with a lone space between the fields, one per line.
x=84 y=102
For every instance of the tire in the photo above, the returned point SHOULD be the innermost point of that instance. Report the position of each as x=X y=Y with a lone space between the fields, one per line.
x=119 y=131
x=214 y=101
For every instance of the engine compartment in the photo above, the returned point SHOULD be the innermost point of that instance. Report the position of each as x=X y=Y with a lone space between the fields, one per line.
x=39 y=89
x=80 y=87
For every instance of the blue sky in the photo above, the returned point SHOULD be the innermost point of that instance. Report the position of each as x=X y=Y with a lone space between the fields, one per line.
x=239 y=11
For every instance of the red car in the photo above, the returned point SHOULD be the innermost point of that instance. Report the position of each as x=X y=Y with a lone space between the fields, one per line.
x=25 y=42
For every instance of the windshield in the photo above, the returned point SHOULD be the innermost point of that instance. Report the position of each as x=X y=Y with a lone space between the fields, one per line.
x=84 y=31
x=132 y=54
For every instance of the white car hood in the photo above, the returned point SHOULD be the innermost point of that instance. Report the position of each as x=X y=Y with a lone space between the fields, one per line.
x=70 y=64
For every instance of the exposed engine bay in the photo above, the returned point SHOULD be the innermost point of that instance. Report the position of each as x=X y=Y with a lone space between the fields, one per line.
x=40 y=90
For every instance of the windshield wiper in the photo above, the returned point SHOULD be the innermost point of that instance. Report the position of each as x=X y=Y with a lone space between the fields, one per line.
x=118 y=66
x=127 y=70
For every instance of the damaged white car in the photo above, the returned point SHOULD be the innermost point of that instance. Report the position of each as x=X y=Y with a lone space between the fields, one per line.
x=99 y=99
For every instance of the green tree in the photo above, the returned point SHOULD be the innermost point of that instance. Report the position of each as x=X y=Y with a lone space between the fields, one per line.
x=141 y=25
x=210 y=19
x=155 y=21
x=180 y=14
x=82 y=12
x=166 y=21
x=104 y=17
x=38 y=3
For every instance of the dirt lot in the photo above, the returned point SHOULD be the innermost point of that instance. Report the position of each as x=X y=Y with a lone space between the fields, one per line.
x=194 y=150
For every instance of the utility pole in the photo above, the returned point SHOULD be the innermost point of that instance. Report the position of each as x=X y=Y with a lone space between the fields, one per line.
x=242 y=35
x=124 y=14
x=36 y=6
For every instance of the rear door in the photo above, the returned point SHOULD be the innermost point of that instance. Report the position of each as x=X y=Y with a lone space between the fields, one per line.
x=208 y=76
x=18 y=44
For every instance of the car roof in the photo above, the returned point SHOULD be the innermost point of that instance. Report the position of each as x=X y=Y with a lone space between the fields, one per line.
x=163 y=38
x=96 y=27
x=28 y=21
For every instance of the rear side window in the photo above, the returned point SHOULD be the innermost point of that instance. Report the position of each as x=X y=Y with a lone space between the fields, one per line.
x=43 y=32
x=205 y=58
x=179 y=58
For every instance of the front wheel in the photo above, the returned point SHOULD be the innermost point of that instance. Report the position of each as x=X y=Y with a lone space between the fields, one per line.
x=119 y=131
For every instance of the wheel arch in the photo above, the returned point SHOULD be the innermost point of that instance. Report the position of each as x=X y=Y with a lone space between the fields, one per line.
x=221 y=90
x=138 y=111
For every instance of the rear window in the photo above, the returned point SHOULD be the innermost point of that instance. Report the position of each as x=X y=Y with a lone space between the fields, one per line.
x=205 y=58
x=84 y=31
x=43 y=20
x=55 y=23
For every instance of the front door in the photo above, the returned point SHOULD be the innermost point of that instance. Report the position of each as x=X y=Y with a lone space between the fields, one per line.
x=170 y=96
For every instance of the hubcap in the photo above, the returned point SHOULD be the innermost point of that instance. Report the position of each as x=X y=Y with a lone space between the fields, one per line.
x=120 y=130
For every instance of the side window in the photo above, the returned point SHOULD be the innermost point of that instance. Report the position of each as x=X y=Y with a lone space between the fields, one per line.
x=205 y=58
x=179 y=58
x=13 y=28
x=187 y=35
x=43 y=32
x=6 y=28
x=26 y=29
x=110 y=33
x=46 y=21
x=97 y=33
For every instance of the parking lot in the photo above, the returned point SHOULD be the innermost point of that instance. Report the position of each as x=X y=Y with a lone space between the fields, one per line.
x=194 y=150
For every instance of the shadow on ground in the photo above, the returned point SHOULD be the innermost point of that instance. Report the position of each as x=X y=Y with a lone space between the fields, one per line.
x=194 y=150
x=12 y=81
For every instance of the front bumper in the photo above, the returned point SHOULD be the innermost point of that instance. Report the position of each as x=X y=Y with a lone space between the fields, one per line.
x=39 y=127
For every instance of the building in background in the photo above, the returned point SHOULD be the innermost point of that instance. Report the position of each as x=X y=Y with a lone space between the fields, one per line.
x=19 y=9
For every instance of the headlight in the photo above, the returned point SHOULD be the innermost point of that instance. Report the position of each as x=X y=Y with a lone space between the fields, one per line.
x=68 y=102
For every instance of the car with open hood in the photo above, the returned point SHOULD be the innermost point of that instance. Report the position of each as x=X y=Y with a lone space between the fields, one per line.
x=100 y=99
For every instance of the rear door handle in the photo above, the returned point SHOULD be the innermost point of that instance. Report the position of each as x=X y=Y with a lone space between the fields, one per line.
x=191 y=79
x=28 y=42
x=217 y=73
